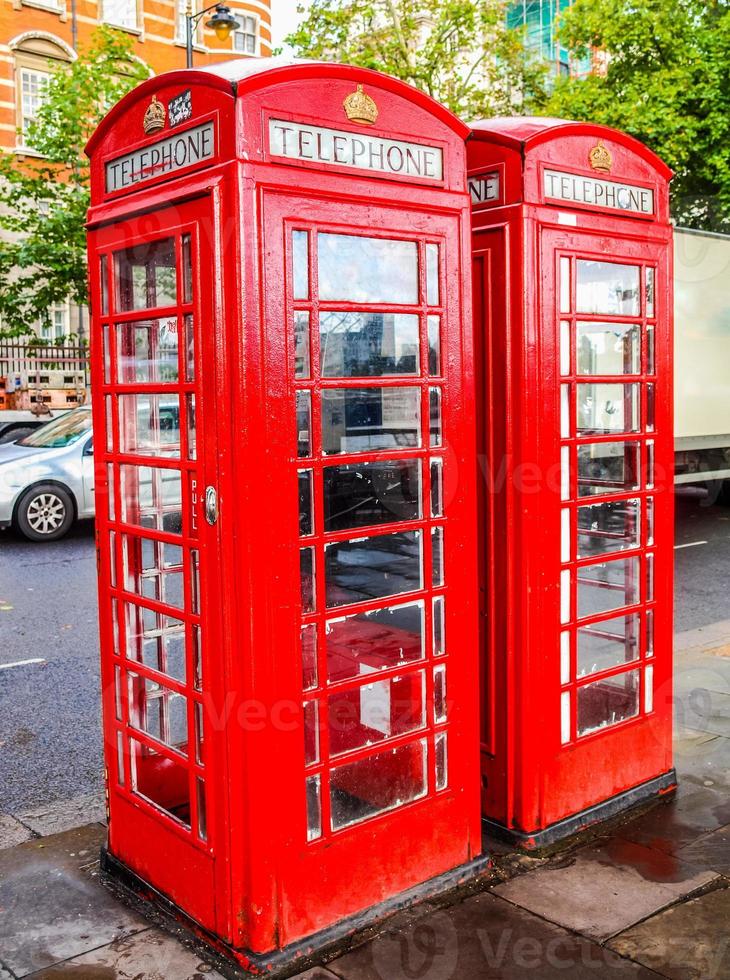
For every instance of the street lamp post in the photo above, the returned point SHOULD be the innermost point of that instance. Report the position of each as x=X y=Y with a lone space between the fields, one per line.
x=222 y=22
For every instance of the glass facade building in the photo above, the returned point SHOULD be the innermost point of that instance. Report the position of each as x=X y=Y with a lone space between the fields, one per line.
x=538 y=18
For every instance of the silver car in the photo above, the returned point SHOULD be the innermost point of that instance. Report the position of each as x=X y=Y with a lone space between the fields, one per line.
x=47 y=477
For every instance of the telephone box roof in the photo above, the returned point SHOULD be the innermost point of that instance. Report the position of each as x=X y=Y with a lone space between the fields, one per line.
x=240 y=76
x=523 y=133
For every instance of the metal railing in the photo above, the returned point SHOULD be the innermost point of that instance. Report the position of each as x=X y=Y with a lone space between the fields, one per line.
x=18 y=357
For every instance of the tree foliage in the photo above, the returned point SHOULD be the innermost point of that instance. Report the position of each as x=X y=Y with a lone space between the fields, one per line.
x=667 y=82
x=458 y=51
x=45 y=194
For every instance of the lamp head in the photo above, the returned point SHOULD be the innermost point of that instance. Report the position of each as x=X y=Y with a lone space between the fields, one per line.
x=222 y=22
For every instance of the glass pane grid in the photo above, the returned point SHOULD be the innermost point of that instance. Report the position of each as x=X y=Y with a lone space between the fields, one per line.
x=372 y=493
x=610 y=485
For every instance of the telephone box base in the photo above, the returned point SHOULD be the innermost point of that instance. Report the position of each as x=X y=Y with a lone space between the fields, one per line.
x=659 y=786
x=240 y=964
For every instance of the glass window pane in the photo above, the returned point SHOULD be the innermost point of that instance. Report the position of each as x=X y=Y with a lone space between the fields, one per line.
x=311 y=733
x=565 y=717
x=437 y=556
x=565 y=411
x=565 y=657
x=304 y=423
x=149 y=425
x=202 y=811
x=608 y=701
x=309 y=656
x=611 y=526
x=650 y=276
x=375 y=640
x=300 y=260
x=565 y=535
x=439 y=694
x=361 y=494
x=147 y=351
x=106 y=343
x=607 y=467
x=437 y=487
x=608 y=348
x=433 y=324
x=607 y=644
x=564 y=284
x=442 y=761
x=607 y=586
x=189 y=352
x=306 y=513
x=306 y=571
x=650 y=349
x=362 y=419
x=649 y=689
x=604 y=409
x=607 y=287
x=161 y=781
x=564 y=347
x=158 y=711
x=565 y=488
x=192 y=444
x=368 y=345
x=434 y=408
x=151 y=498
x=314 y=807
x=302 y=366
x=650 y=407
x=377 y=784
x=439 y=626
x=104 y=283
x=187 y=265
x=367 y=270
x=432 y=274
x=376 y=710
x=146 y=276
x=373 y=567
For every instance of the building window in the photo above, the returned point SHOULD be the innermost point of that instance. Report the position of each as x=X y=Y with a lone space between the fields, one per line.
x=57 y=325
x=180 y=22
x=120 y=13
x=245 y=38
x=32 y=86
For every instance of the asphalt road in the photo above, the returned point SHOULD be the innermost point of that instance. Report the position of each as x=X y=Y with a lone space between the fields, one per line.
x=50 y=742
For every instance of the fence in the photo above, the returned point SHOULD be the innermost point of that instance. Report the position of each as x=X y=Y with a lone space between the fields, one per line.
x=16 y=357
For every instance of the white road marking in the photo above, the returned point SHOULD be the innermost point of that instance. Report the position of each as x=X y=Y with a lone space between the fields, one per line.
x=22 y=663
x=691 y=544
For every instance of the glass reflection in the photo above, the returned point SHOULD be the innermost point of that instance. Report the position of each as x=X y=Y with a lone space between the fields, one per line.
x=373 y=567
x=367 y=270
x=608 y=702
x=149 y=425
x=368 y=344
x=147 y=351
x=607 y=467
x=360 y=419
x=608 y=586
x=603 y=409
x=376 y=710
x=614 y=525
x=145 y=276
x=374 y=640
x=607 y=287
x=359 y=494
x=608 y=348
x=607 y=644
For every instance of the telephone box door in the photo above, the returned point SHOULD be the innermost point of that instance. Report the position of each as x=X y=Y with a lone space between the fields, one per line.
x=367 y=434
x=155 y=453
x=612 y=559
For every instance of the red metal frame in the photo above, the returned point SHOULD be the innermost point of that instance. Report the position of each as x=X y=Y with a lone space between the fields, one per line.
x=254 y=880
x=539 y=772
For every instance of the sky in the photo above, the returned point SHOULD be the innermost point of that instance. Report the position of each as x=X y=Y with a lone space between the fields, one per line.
x=284 y=18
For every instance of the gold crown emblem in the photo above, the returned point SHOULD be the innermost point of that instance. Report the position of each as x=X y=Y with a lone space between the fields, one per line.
x=600 y=158
x=360 y=108
x=154 y=117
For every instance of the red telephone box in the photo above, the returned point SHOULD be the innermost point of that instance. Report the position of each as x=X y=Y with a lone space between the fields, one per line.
x=571 y=259
x=286 y=495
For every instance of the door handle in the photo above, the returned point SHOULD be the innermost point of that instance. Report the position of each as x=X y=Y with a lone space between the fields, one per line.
x=211 y=505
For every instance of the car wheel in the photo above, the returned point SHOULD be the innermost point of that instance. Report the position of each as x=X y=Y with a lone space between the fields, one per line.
x=45 y=513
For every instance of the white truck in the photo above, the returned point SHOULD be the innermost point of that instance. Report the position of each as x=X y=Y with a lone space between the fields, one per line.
x=702 y=361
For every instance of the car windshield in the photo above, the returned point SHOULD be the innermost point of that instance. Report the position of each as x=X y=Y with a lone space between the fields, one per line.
x=60 y=432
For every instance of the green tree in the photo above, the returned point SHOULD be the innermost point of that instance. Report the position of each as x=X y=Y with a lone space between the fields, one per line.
x=458 y=51
x=665 y=78
x=44 y=198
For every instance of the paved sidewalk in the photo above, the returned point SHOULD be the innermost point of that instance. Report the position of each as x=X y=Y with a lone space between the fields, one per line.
x=645 y=896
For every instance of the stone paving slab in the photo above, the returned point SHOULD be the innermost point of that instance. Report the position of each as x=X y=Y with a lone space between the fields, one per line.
x=55 y=818
x=149 y=955
x=690 y=941
x=711 y=851
x=12 y=832
x=603 y=889
x=54 y=908
x=483 y=938
x=676 y=823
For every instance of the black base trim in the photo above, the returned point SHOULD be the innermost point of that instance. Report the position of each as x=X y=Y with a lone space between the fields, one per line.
x=530 y=841
x=241 y=964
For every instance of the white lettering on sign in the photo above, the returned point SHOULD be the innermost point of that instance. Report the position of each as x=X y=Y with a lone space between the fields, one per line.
x=174 y=153
x=597 y=192
x=484 y=189
x=297 y=141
